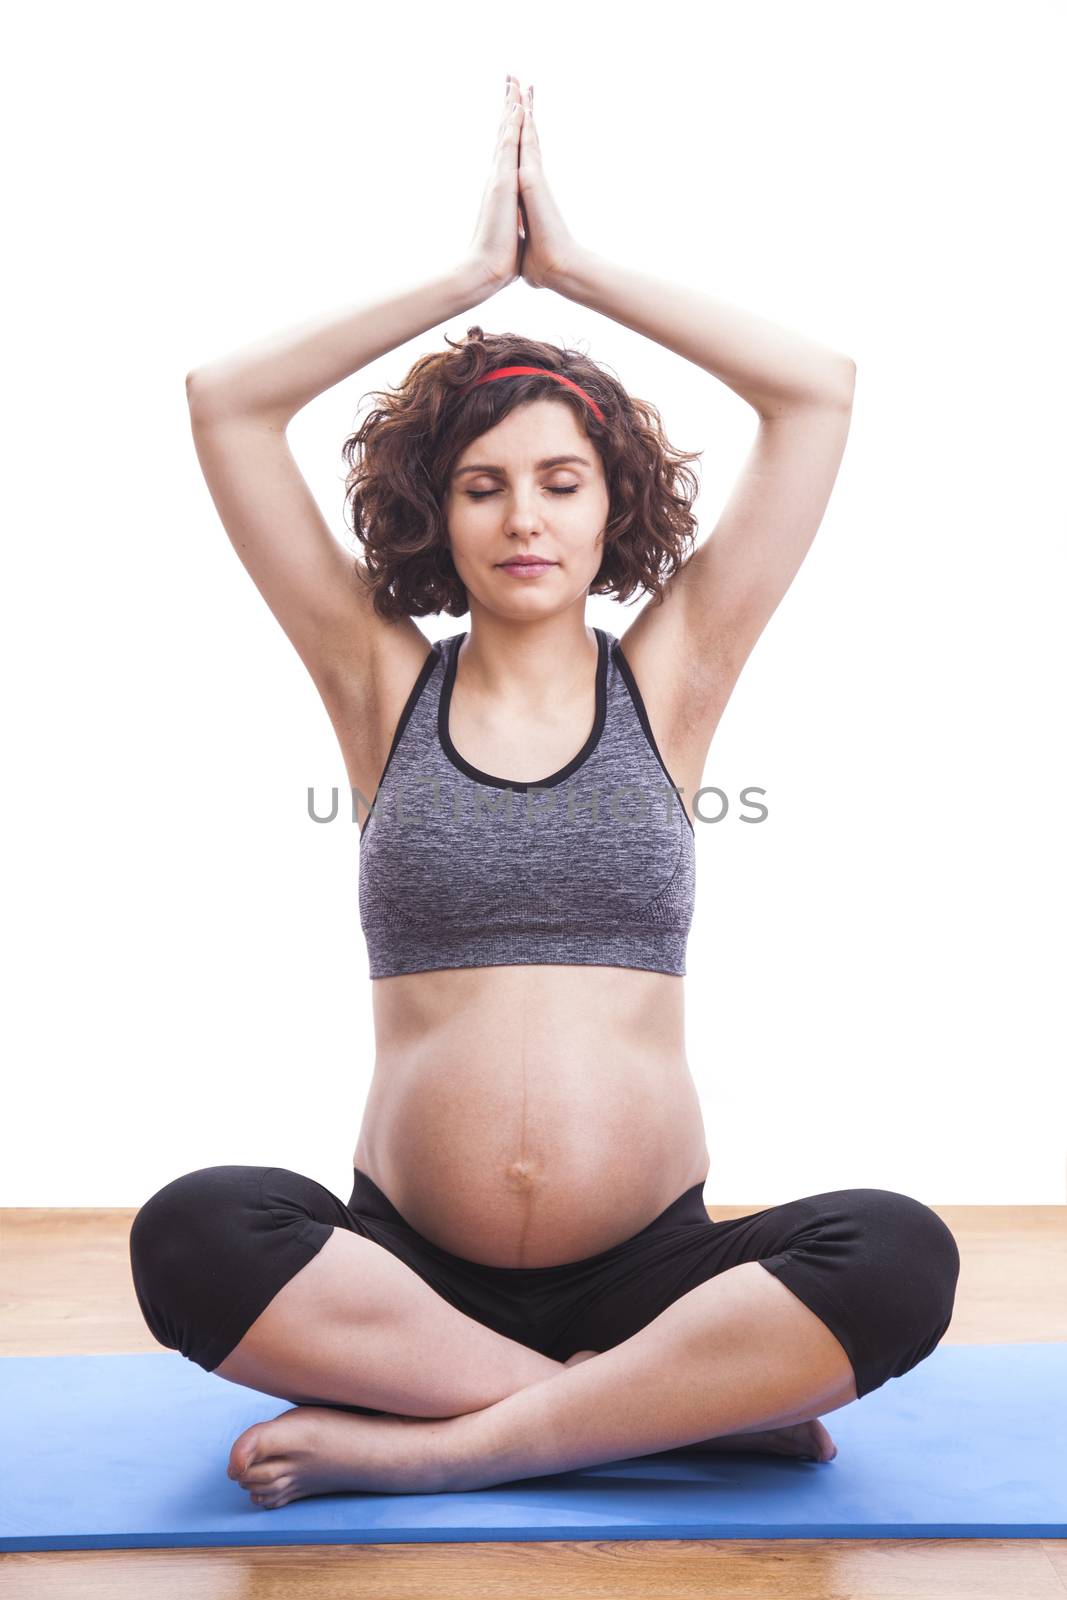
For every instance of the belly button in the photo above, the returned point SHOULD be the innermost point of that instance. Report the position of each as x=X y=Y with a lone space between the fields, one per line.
x=520 y=1174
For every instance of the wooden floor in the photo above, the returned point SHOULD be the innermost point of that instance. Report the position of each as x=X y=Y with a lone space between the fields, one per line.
x=66 y=1291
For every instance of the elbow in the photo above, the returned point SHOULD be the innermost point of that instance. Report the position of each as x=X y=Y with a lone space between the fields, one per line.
x=204 y=397
x=193 y=388
x=848 y=379
x=837 y=386
x=195 y=399
x=200 y=381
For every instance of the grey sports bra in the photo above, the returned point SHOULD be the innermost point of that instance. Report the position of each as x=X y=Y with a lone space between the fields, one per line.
x=592 y=866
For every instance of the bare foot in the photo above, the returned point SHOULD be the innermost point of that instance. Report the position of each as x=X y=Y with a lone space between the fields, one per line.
x=311 y=1450
x=809 y=1439
x=315 y=1450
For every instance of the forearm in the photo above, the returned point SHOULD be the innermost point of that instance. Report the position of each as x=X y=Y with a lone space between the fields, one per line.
x=278 y=376
x=773 y=369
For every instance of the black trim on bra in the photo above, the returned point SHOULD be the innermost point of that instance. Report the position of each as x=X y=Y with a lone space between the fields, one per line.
x=639 y=707
x=509 y=783
x=405 y=716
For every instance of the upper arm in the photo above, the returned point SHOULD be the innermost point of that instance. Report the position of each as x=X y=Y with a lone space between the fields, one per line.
x=311 y=584
x=693 y=645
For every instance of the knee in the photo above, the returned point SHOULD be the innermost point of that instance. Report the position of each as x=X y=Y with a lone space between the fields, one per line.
x=912 y=1266
x=175 y=1240
x=175 y=1224
x=916 y=1240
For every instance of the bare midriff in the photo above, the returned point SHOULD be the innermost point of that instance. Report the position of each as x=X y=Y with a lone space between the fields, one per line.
x=528 y=1116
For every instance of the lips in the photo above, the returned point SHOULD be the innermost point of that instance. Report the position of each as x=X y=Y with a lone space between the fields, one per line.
x=527 y=563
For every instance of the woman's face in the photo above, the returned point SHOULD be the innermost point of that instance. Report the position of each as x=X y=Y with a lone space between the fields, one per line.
x=505 y=500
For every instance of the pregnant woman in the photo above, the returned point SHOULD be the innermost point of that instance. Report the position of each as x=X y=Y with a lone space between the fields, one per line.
x=524 y=1279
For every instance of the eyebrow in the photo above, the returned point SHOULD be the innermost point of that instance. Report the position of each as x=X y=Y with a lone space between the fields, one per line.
x=539 y=466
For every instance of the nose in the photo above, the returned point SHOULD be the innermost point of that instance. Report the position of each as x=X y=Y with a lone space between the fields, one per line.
x=522 y=514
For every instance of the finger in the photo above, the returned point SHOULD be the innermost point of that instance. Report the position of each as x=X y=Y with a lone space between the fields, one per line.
x=530 y=142
x=511 y=100
x=529 y=154
x=508 y=137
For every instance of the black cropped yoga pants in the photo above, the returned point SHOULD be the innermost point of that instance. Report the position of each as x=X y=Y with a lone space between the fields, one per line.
x=210 y=1251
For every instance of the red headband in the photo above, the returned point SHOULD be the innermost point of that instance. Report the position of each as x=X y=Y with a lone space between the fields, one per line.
x=541 y=372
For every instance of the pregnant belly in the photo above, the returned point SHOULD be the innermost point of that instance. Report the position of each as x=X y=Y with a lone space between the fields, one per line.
x=520 y=1156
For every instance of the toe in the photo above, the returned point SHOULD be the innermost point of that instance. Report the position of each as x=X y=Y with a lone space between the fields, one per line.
x=260 y=1475
x=242 y=1451
x=276 y=1495
x=270 y=1493
x=825 y=1448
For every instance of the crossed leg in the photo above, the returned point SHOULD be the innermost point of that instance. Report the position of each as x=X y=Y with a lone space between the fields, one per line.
x=739 y=1353
x=357 y=1327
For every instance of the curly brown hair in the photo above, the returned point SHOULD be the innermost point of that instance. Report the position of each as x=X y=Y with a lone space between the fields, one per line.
x=403 y=455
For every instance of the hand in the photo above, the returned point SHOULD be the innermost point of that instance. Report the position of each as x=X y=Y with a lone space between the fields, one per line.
x=549 y=246
x=498 y=236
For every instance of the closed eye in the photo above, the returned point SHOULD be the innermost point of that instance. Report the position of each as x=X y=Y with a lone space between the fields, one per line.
x=481 y=494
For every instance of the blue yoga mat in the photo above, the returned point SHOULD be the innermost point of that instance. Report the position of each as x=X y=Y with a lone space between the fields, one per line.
x=124 y=1452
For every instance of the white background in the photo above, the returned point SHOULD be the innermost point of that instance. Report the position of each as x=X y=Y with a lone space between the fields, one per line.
x=875 y=974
